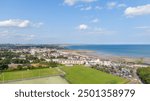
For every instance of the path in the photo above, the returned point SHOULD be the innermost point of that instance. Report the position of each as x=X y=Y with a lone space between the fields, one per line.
x=58 y=68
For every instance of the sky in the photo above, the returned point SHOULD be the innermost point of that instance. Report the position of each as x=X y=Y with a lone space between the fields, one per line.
x=75 y=21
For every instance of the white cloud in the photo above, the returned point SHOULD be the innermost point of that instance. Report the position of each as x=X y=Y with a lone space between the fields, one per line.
x=83 y=27
x=111 y=5
x=73 y=2
x=13 y=34
x=96 y=20
x=86 y=8
x=70 y=2
x=19 y=23
x=139 y=10
x=15 y=23
x=10 y=30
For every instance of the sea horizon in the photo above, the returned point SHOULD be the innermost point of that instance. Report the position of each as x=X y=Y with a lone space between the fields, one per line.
x=132 y=50
x=127 y=50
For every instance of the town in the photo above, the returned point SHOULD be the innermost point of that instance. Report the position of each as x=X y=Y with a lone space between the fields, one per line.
x=25 y=57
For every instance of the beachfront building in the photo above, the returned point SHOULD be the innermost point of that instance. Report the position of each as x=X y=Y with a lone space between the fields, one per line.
x=105 y=63
x=139 y=65
x=68 y=61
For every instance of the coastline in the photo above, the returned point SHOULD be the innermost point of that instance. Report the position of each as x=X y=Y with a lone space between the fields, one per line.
x=112 y=57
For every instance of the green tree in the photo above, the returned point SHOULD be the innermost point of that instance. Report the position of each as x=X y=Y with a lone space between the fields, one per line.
x=144 y=74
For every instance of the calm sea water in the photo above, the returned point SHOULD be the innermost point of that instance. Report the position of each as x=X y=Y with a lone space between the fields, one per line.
x=121 y=50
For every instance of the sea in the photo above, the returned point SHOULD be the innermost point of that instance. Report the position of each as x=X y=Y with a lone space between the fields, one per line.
x=118 y=50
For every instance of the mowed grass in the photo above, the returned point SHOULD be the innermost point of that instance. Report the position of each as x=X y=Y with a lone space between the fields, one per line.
x=74 y=75
x=43 y=80
x=86 y=75
x=26 y=74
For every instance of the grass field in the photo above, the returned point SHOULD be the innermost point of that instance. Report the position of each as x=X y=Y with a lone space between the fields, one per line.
x=85 y=75
x=18 y=75
x=44 y=80
x=74 y=75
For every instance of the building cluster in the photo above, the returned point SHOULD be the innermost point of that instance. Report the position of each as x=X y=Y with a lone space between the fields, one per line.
x=70 y=58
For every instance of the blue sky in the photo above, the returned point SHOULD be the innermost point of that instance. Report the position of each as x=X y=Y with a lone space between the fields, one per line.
x=75 y=21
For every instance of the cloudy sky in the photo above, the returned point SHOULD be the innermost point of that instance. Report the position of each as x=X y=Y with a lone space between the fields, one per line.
x=75 y=21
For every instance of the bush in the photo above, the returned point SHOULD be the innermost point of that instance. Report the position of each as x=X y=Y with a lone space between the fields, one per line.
x=19 y=67
x=53 y=64
x=144 y=74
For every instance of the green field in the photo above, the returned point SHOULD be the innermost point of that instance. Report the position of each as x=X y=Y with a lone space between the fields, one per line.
x=43 y=80
x=85 y=75
x=74 y=75
x=26 y=74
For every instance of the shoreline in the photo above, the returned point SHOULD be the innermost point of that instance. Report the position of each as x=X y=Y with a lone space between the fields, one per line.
x=112 y=57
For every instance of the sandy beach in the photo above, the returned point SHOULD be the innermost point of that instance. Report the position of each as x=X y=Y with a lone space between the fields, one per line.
x=111 y=57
